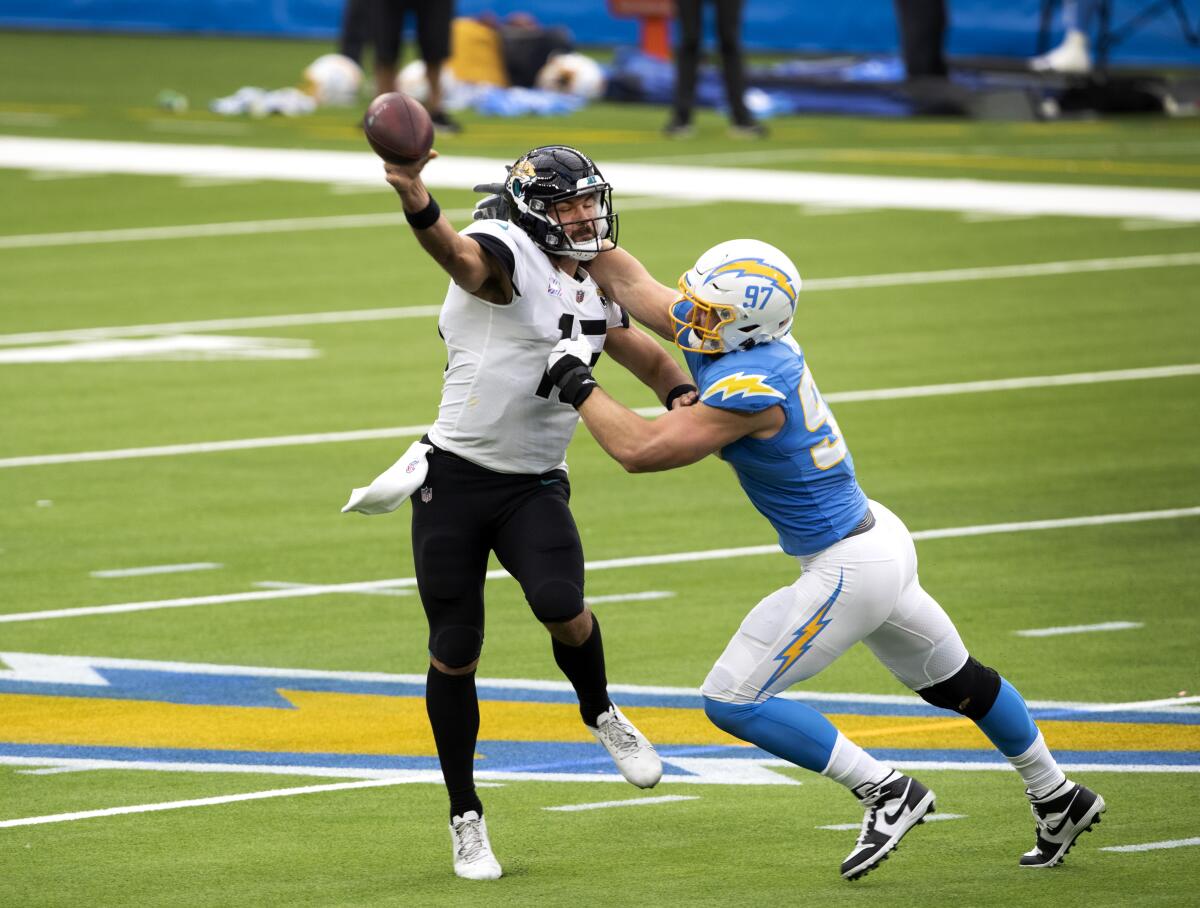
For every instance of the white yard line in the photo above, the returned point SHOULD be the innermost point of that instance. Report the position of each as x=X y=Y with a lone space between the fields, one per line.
x=929 y=818
x=631 y=802
x=282 y=585
x=610 y=564
x=812 y=285
x=995 y=272
x=158 y=569
x=208 y=447
x=692 y=183
x=1080 y=629
x=246 y=323
x=630 y=597
x=199 y=802
x=258 y=228
x=277 y=441
x=1038 y=150
x=1155 y=846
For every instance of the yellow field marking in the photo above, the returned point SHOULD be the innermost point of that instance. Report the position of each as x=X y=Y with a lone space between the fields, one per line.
x=373 y=724
x=1067 y=128
x=525 y=136
x=334 y=131
x=61 y=110
x=891 y=130
x=1010 y=163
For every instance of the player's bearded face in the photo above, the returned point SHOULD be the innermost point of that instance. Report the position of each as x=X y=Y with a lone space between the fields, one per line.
x=575 y=215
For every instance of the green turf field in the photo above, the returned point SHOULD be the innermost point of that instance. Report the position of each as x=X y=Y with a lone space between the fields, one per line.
x=102 y=469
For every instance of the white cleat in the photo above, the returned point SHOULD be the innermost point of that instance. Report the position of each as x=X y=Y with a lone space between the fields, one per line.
x=634 y=755
x=1061 y=816
x=894 y=806
x=1071 y=57
x=473 y=858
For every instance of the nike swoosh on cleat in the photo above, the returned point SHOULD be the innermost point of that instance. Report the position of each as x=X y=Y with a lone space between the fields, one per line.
x=1066 y=818
x=893 y=817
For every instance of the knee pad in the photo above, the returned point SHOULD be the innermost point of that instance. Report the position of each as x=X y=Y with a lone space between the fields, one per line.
x=970 y=692
x=456 y=646
x=555 y=600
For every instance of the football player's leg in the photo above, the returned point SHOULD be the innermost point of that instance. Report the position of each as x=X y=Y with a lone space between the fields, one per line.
x=789 y=636
x=539 y=545
x=920 y=645
x=451 y=559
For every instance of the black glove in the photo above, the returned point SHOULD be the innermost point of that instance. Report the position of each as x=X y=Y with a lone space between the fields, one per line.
x=494 y=206
x=570 y=372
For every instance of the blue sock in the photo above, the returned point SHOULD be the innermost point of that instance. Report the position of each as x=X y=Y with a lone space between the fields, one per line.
x=1008 y=723
x=786 y=728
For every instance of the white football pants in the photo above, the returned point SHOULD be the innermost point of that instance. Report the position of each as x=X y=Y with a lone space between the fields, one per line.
x=861 y=588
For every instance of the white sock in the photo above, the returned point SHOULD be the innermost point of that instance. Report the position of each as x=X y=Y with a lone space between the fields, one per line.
x=852 y=766
x=1038 y=768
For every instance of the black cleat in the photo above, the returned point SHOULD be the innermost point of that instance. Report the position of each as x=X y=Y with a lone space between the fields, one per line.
x=1062 y=817
x=894 y=806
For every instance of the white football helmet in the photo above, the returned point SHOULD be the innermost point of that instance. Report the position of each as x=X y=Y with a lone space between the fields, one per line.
x=743 y=292
x=333 y=80
x=572 y=74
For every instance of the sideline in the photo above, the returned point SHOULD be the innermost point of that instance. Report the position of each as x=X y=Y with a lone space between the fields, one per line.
x=728 y=184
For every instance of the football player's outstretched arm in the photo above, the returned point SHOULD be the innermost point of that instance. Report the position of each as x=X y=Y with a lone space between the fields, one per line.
x=678 y=437
x=641 y=354
x=627 y=281
x=674 y=439
x=468 y=265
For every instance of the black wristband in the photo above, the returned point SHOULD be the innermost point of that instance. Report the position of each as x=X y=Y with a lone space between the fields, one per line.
x=677 y=392
x=426 y=217
x=574 y=380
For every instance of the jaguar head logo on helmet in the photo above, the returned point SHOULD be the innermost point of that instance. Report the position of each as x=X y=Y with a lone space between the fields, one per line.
x=558 y=196
x=742 y=293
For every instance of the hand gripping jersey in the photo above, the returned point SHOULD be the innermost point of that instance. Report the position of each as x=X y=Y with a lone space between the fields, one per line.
x=499 y=409
x=802 y=478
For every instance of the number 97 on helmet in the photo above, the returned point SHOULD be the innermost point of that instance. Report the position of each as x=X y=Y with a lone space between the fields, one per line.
x=742 y=293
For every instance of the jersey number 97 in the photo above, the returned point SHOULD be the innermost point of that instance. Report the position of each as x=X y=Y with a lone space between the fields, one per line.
x=831 y=450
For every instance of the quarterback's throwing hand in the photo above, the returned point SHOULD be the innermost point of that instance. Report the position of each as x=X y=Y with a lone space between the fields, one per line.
x=569 y=368
x=403 y=176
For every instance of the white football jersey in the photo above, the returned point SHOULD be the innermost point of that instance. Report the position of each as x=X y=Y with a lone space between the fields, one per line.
x=499 y=408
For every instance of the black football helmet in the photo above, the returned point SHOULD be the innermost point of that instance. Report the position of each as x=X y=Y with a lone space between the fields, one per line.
x=551 y=174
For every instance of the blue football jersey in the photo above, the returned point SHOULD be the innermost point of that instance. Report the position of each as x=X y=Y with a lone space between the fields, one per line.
x=802 y=478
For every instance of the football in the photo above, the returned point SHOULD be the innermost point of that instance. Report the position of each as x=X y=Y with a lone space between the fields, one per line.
x=398 y=128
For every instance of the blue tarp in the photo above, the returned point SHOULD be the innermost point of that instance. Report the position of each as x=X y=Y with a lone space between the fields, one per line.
x=977 y=27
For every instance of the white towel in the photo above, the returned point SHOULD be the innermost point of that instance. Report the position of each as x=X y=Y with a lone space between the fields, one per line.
x=393 y=486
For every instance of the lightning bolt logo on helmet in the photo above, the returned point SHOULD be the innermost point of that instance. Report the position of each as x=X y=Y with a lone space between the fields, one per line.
x=742 y=293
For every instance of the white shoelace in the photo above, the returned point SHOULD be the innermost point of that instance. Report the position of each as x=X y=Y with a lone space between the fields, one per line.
x=619 y=736
x=470 y=838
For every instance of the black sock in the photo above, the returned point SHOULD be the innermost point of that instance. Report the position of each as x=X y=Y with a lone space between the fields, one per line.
x=584 y=667
x=453 y=711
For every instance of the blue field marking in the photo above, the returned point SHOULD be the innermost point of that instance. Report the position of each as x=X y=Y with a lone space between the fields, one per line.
x=538 y=757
